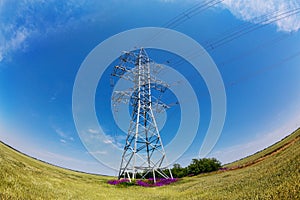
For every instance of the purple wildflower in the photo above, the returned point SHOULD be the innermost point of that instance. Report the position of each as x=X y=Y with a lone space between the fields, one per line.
x=223 y=169
x=116 y=182
x=159 y=182
x=146 y=182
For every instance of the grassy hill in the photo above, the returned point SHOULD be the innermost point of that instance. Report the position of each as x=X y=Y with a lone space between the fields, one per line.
x=273 y=173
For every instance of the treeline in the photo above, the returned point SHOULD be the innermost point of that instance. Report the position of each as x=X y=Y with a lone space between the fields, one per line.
x=196 y=167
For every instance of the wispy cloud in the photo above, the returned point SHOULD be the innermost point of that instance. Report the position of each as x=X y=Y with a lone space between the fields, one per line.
x=94 y=131
x=249 y=10
x=97 y=152
x=86 y=165
x=108 y=141
x=64 y=136
x=23 y=19
x=62 y=141
x=117 y=140
x=60 y=133
x=13 y=42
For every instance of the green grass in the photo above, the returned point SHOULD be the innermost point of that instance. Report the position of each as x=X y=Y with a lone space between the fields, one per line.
x=276 y=176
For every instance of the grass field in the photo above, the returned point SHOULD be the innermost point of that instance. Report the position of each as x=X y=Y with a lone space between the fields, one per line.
x=273 y=173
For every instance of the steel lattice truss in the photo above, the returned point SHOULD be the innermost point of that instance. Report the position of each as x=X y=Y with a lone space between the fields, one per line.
x=143 y=152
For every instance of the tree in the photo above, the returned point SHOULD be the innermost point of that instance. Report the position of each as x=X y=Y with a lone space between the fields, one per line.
x=178 y=171
x=203 y=165
x=197 y=166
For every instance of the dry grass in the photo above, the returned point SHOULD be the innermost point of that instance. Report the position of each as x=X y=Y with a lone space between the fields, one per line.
x=274 y=177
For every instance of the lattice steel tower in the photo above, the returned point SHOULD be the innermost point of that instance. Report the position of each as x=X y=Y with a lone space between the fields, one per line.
x=144 y=152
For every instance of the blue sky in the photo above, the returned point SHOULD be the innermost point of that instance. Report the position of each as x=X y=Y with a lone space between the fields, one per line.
x=43 y=43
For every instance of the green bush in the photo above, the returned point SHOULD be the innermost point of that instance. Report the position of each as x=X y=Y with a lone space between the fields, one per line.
x=178 y=171
x=203 y=165
x=196 y=167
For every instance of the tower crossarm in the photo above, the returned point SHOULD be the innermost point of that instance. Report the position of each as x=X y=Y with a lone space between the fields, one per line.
x=122 y=96
x=159 y=85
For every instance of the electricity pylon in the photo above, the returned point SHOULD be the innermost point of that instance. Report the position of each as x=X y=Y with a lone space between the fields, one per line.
x=144 y=152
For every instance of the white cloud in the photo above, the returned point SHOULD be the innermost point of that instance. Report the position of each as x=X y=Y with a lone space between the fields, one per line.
x=117 y=140
x=64 y=137
x=248 y=10
x=85 y=165
x=60 y=133
x=108 y=141
x=14 y=42
x=251 y=9
x=97 y=152
x=62 y=141
x=23 y=19
x=168 y=1
x=94 y=131
x=76 y=161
